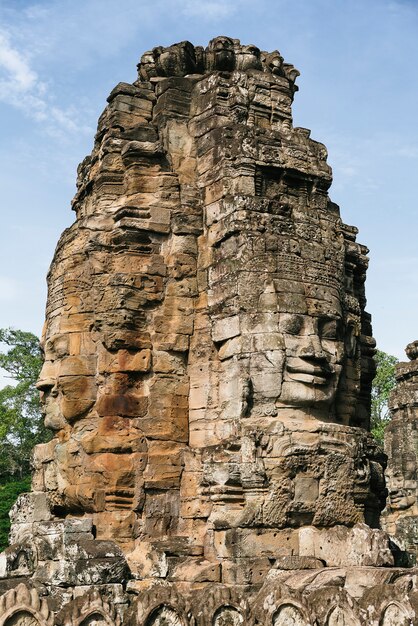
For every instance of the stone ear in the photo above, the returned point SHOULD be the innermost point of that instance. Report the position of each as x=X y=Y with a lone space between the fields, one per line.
x=350 y=341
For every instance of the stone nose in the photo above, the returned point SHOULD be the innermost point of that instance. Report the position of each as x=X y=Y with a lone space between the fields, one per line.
x=312 y=348
x=46 y=382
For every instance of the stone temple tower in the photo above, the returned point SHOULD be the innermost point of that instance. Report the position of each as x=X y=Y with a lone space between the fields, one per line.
x=207 y=374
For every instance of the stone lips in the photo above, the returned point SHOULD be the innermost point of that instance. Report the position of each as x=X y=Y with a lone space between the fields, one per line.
x=208 y=363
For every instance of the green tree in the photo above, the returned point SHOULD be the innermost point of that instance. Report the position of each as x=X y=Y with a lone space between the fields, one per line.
x=8 y=495
x=382 y=385
x=21 y=422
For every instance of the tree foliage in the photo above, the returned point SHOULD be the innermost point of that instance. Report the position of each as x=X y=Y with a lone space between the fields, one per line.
x=8 y=495
x=21 y=422
x=382 y=385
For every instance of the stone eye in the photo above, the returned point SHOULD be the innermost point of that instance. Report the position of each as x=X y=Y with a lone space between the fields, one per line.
x=60 y=346
x=291 y=324
x=329 y=329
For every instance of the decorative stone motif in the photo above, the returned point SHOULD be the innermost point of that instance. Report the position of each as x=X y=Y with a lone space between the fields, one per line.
x=288 y=615
x=227 y=616
x=395 y=615
x=23 y=607
x=164 y=616
x=207 y=374
x=340 y=617
x=90 y=609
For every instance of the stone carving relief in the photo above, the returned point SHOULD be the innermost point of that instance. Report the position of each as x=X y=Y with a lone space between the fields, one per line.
x=164 y=616
x=227 y=616
x=22 y=619
x=160 y=604
x=341 y=617
x=90 y=609
x=23 y=607
x=395 y=615
x=288 y=615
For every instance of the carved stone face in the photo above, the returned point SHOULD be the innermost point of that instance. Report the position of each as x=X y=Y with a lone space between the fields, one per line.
x=222 y=49
x=66 y=381
x=176 y=60
x=248 y=58
x=274 y=62
x=314 y=350
x=400 y=497
x=147 y=66
x=88 y=387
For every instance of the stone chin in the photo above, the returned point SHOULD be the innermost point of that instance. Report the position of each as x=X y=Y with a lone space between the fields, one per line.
x=400 y=500
x=53 y=418
x=60 y=411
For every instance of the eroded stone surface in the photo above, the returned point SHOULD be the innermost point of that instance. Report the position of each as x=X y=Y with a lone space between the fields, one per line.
x=208 y=363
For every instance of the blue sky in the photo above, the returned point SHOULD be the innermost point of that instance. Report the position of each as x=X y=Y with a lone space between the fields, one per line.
x=59 y=59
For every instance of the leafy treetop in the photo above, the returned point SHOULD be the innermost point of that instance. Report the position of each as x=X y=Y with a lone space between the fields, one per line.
x=382 y=385
x=21 y=422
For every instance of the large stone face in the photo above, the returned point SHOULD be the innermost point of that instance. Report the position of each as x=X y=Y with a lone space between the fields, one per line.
x=401 y=446
x=208 y=363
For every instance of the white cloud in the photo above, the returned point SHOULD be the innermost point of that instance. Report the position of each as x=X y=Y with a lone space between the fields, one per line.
x=21 y=87
x=19 y=77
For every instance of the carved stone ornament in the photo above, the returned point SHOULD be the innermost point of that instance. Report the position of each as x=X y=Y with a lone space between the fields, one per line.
x=23 y=607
